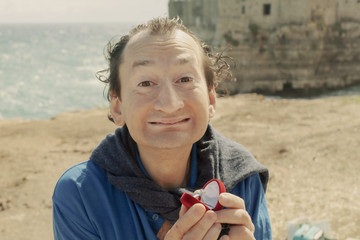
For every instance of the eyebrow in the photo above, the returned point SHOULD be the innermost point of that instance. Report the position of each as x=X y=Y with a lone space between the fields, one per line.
x=179 y=61
x=143 y=62
x=184 y=60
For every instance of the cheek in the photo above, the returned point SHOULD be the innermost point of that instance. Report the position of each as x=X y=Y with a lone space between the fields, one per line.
x=201 y=107
x=134 y=110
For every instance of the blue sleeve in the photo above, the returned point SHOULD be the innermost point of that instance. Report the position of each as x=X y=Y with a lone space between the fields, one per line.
x=252 y=192
x=70 y=220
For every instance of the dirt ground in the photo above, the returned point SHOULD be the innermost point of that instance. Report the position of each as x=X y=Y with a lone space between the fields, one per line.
x=311 y=147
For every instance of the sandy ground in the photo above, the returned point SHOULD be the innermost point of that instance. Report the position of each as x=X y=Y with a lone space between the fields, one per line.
x=312 y=148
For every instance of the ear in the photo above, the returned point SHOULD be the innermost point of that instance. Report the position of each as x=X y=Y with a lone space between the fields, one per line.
x=212 y=102
x=115 y=110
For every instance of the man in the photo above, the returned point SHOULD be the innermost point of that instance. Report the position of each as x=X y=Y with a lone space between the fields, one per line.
x=162 y=94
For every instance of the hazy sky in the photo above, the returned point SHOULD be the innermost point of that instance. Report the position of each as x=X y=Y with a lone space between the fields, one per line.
x=15 y=11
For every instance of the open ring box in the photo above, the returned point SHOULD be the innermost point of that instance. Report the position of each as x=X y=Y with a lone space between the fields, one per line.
x=208 y=196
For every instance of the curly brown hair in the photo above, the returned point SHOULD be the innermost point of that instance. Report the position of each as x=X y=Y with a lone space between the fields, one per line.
x=216 y=68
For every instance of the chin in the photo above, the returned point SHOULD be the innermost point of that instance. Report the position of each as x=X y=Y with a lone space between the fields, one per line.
x=171 y=141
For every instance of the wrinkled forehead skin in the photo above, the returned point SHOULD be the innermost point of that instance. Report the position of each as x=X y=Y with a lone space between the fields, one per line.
x=172 y=41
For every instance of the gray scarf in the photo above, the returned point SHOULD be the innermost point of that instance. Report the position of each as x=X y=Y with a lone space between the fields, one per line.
x=218 y=157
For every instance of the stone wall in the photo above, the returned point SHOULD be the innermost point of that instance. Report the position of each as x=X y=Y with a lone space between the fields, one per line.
x=297 y=59
x=323 y=11
x=348 y=10
x=280 y=45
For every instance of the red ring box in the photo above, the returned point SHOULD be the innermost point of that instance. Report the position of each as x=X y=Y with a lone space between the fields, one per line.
x=208 y=196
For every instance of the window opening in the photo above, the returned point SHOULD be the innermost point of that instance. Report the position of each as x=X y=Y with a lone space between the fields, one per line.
x=267 y=9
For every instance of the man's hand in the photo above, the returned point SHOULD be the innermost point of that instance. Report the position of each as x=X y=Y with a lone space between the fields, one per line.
x=197 y=223
x=241 y=225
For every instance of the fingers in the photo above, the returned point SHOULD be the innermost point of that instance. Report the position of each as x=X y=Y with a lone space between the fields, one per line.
x=186 y=221
x=195 y=223
x=231 y=201
x=213 y=232
x=205 y=228
x=183 y=210
x=236 y=212
x=235 y=217
x=239 y=232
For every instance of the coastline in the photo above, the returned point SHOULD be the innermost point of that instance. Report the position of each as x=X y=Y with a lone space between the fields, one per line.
x=311 y=147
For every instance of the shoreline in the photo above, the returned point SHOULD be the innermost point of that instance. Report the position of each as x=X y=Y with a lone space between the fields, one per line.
x=309 y=145
x=343 y=92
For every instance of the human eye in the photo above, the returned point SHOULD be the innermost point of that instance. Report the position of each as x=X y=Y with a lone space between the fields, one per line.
x=185 y=79
x=145 y=84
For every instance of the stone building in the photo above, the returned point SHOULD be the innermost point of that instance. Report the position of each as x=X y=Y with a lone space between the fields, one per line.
x=218 y=17
x=348 y=10
x=280 y=45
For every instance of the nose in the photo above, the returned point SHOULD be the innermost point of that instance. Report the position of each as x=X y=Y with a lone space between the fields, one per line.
x=169 y=100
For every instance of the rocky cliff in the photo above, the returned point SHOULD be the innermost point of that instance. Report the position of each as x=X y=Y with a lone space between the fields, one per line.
x=292 y=58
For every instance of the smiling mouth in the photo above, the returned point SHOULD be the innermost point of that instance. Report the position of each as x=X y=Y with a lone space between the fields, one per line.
x=170 y=122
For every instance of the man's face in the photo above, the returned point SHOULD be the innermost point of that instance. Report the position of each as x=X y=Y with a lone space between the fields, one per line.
x=165 y=101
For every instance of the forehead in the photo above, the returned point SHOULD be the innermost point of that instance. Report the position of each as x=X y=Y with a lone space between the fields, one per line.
x=178 y=44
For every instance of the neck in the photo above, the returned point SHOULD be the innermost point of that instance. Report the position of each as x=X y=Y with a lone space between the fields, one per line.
x=170 y=168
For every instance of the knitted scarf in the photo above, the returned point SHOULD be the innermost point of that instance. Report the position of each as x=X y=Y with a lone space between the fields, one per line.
x=218 y=157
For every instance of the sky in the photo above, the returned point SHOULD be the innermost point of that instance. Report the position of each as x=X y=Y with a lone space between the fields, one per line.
x=77 y=11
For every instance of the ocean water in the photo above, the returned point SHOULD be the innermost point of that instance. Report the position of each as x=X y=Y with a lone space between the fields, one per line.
x=46 y=69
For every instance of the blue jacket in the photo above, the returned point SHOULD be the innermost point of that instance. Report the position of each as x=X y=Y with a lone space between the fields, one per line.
x=87 y=204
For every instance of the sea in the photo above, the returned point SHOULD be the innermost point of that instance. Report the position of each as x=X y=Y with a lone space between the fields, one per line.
x=46 y=69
